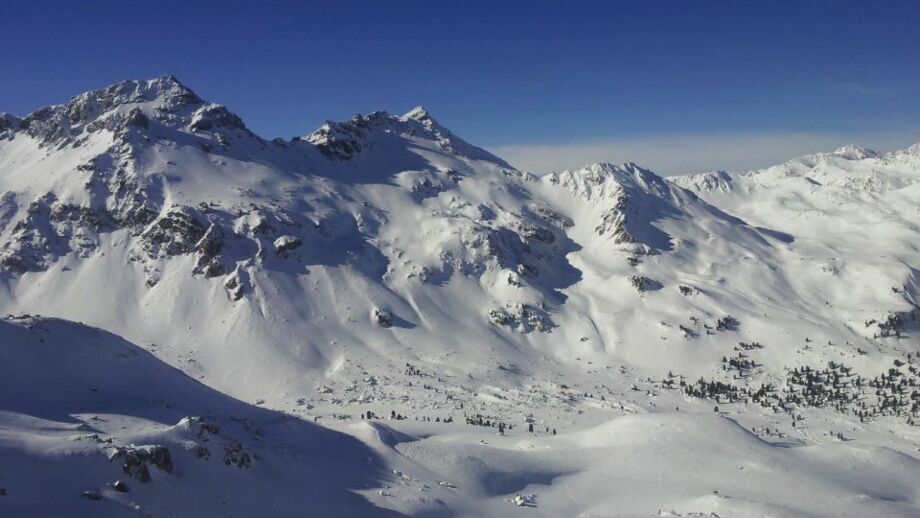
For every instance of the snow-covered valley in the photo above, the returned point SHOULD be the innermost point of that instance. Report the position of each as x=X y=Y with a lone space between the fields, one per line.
x=379 y=318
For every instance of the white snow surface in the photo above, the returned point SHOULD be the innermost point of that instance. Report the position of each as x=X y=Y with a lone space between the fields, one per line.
x=342 y=320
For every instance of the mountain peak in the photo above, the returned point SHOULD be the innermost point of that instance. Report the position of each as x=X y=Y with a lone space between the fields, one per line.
x=168 y=78
x=134 y=102
x=628 y=179
x=626 y=169
x=419 y=113
x=345 y=140
x=165 y=88
x=854 y=152
x=913 y=150
x=422 y=116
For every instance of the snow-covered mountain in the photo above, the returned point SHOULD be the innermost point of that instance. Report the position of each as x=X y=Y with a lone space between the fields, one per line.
x=384 y=267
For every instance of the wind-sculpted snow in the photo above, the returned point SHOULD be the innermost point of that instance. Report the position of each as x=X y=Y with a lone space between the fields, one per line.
x=387 y=279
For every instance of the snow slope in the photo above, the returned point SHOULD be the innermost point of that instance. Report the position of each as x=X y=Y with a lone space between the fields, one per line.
x=385 y=265
x=78 y=402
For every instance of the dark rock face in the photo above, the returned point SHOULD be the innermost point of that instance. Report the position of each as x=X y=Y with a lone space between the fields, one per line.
x=554 y=218
x=525 y=247
x=217 y=238
x=137 y=118
x=135 y=460
x=531 y=233
x=177 y=232
x=235 y=286
x=342 y=140
x=285 y=244
x=214 y=116
x=51 y=229
x=236 y=455
x=522 y=317
x=135 y=467
x=202 y=427
x=426 y=188
x=208 y=249
x=159 y=457
x=614 y=222
x=34 y=243
x=82 y=216
x=201 y=452
x=643 y=284
x=208 y=432
x=382 y=318
x=80 y=226
x=9 y=124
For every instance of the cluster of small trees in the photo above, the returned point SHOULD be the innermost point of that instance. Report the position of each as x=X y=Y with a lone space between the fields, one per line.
x=897 y=392
x=749 y=346
x=833 y=387
x=399 y=417
x=741 y=363
x=727 y=323
x=893 y=393
x=447 y=419
x=480 y=420
x=717 y=391
x=412 y=370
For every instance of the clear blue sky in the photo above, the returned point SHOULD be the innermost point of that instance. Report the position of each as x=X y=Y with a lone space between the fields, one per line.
x=501 y=73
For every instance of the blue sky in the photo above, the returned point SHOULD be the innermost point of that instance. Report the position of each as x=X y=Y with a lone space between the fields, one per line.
x=543 y=83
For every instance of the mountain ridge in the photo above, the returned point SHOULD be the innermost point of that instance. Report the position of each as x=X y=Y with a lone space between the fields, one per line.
x=383 y=266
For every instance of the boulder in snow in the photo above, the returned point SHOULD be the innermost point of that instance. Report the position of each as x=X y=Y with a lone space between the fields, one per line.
x=382 y=318
x=285 y=244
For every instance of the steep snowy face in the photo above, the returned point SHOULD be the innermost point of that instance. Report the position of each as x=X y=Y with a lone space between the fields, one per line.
x=96 y=164
x=630 y=198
